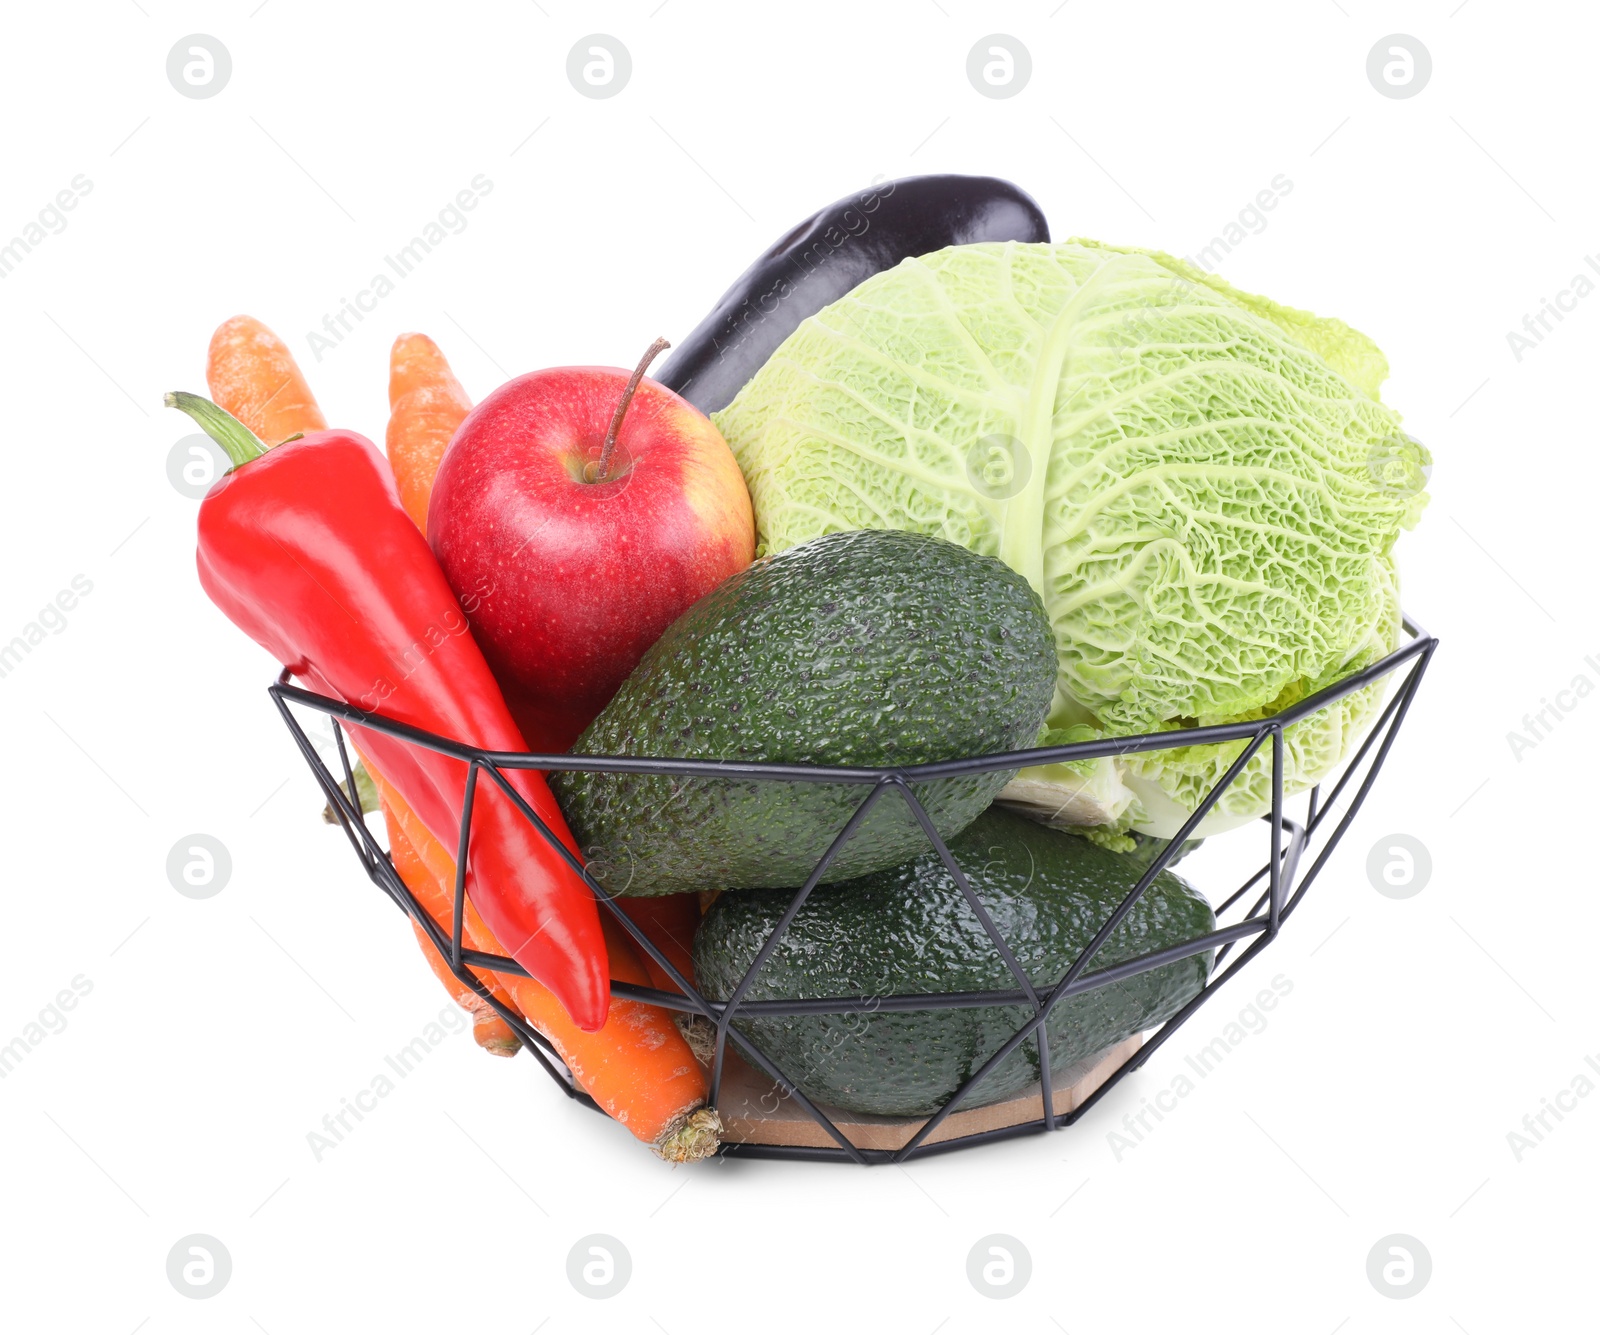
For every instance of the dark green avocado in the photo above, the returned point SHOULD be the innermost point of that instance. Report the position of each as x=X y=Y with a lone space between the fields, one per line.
x=868 y=648
x=910 y=930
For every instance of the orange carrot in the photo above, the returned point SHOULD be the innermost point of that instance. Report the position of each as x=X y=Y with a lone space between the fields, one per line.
x=492 y=1033
x=489 y=1031
x=668 y=922
x=430 y=874
x=426 y=405
x=253 y=375
x=637 y=1067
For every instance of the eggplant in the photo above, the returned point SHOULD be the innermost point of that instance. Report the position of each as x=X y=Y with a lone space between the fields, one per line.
x=829 y=254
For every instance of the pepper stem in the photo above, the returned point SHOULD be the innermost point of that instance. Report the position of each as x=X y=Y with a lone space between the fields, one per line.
x=238 y=441
x=650 y=354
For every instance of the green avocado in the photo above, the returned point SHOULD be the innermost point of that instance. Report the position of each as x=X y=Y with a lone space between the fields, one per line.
x=910 y=930
x=868 y=648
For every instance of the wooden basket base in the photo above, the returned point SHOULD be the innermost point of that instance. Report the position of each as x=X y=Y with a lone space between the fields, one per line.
x=755 y=1110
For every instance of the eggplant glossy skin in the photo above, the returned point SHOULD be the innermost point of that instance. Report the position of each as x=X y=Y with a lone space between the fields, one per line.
x=828 y=255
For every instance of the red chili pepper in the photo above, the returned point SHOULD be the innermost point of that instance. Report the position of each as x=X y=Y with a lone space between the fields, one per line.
x=307 y=549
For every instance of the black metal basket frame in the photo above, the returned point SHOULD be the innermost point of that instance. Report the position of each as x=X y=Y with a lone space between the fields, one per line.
x=1285 y=886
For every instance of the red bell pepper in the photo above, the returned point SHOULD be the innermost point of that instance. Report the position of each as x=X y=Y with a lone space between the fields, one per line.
x=308 y=550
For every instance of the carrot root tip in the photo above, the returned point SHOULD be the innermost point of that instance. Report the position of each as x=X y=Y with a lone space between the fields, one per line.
x=502 y=1046
x=690 y=1137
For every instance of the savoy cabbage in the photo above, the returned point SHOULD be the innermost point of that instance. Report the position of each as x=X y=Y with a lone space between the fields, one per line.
x=1202 y=485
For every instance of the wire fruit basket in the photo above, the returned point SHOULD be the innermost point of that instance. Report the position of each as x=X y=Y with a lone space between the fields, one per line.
x=743 y=1077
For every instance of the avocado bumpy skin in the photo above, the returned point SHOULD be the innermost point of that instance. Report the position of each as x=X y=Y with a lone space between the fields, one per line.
x=870 y=648
x=910 y=930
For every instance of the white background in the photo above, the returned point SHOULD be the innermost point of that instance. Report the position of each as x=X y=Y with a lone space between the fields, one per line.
x=218 y=1032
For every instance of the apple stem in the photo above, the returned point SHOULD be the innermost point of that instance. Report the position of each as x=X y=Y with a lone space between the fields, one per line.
x=650 y=354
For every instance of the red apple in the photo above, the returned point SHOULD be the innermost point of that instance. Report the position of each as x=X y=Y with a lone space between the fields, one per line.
x=571 y=558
